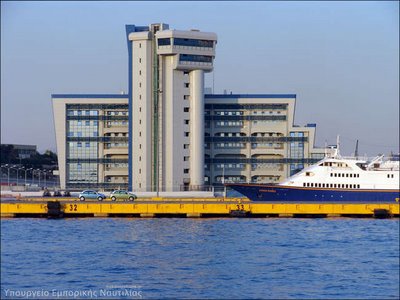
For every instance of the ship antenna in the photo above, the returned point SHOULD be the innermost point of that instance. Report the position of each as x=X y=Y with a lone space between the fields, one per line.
x=356 y=151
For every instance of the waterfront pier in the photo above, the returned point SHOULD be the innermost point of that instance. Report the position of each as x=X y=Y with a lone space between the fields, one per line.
x=192 y=208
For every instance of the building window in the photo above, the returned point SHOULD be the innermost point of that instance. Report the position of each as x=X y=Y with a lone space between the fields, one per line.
x=186 y=122
x=140 y=60
x=186 y=84
x=186 y=171
x=186 y=97
x=186 y=133
x=186 y=109
x=164 y=42
x=195 y=58
x=193 y=42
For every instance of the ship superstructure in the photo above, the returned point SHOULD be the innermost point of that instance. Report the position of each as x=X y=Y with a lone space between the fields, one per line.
x=334 y=178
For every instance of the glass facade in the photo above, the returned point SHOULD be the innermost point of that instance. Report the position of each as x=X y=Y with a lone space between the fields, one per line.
x=296 y=151
x=82 y=172
x=86 y=162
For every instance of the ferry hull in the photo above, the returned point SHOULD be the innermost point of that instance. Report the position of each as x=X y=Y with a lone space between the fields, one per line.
x=278 y=193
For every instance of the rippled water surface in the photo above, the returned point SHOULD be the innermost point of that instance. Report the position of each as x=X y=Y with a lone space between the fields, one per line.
x=202 y=258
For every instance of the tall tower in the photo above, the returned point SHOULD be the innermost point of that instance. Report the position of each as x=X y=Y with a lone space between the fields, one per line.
x=166 y=98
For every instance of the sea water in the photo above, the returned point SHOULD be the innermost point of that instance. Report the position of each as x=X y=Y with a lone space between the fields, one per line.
x=199 y=258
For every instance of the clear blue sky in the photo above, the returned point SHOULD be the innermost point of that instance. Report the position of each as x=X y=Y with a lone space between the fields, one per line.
x=340 y=58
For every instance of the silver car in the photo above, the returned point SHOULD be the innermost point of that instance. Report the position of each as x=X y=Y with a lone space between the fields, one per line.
x=89 y=194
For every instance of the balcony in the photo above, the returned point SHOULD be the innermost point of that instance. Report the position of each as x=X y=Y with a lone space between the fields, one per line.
x=116 y=151
x=116 y=129
x=227 y=150
x=116 y=172
x=268 y=151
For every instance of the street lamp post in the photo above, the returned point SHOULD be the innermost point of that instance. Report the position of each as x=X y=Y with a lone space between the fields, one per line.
x=45 y=173
x=17 y=176
x=39 y=176
x=33 y=176
x=8 y=175
x=26 y=172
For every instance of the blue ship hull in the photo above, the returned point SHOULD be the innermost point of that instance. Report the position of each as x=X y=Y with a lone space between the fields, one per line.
x=280 y=193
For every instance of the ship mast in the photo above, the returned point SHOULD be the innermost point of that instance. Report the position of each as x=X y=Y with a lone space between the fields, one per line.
x=337 y=154
x=356 y=151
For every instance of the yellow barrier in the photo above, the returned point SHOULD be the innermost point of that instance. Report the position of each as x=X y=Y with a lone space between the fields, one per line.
x=157 y=199
x=197 y=208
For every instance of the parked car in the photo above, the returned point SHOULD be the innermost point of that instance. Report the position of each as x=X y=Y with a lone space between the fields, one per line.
x=89 y=194
x=122 y=195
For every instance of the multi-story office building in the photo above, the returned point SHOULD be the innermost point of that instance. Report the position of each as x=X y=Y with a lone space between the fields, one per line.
x=251 y=138
x=166 y=135
x=92 y=140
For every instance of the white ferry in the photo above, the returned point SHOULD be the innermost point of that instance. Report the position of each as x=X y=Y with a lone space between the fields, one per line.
x=334 y=179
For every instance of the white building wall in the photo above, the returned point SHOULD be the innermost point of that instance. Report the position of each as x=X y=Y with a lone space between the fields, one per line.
x=59 y=117
x=196 y=128
x=141 y=126
x=174 y=127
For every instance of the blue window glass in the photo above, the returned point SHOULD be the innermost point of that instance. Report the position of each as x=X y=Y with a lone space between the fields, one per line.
x=79 y=144
x=87 y=144
x=164 y=42
x=197 y=58
x=193 y=43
